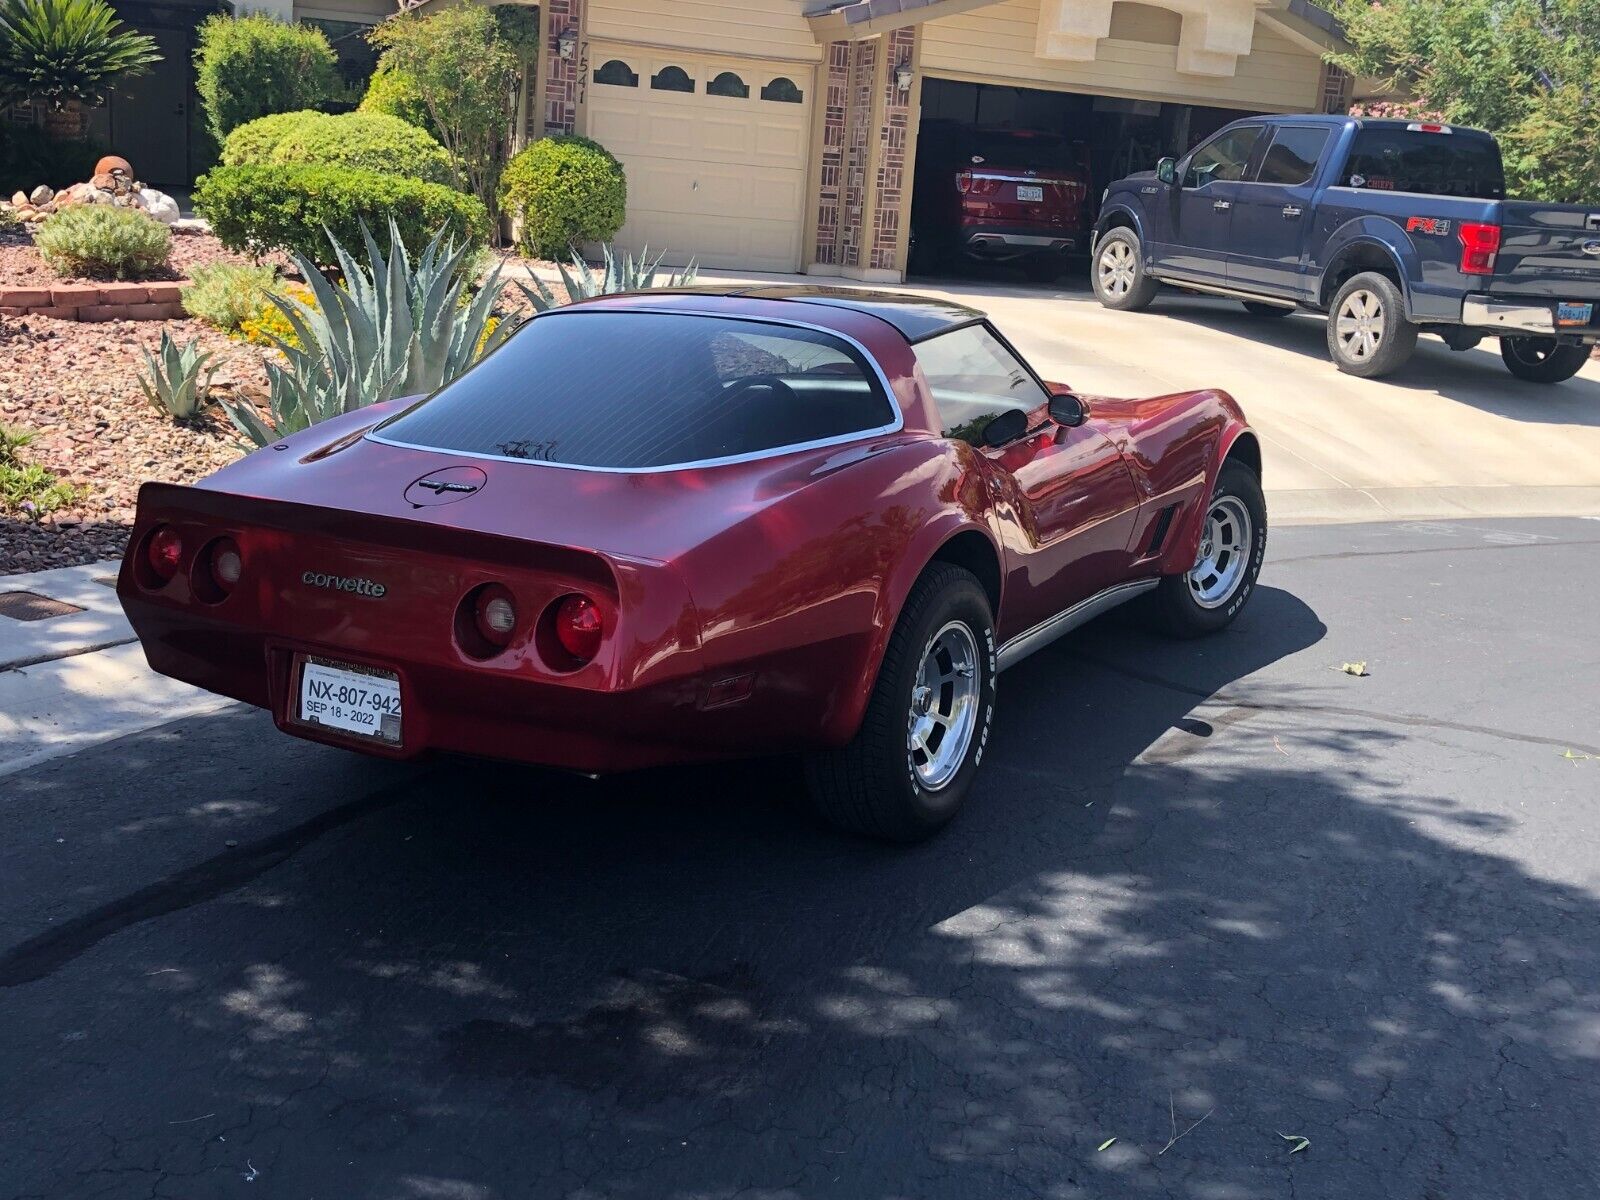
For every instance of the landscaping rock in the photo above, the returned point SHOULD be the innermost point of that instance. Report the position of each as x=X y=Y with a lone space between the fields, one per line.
x=19 y=200
x=159 y=205
x=41 y=195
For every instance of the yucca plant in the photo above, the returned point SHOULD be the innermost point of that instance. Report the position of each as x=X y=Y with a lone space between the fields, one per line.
x=624 y=274
x=393 y=328
x=177 y=379
x=66 y=52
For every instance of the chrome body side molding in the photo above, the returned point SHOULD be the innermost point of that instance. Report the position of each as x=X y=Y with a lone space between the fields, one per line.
x=1042 y=634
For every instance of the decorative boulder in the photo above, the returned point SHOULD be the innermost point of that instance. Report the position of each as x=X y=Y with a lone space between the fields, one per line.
x=19 y=200
x=160 y=205
x=41 y=195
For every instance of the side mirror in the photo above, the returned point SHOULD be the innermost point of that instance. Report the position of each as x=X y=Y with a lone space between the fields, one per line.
x=1066 y=409
x=1167 y=171
x=1005 y=428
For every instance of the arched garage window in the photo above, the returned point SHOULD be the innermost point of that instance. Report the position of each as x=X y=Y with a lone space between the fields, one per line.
x=728 y=84
x=617 y=74
x=783 y=91
x=671 y=79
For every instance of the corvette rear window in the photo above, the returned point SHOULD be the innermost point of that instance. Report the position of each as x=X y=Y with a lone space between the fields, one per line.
x=636 y=390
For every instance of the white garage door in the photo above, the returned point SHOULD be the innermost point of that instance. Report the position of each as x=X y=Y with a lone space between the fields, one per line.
x=715 y=151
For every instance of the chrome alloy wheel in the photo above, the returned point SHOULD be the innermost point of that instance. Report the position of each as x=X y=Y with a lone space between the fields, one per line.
x=1359 y=325
x=1225 y=546
x=1115 y=266
x=944 y=706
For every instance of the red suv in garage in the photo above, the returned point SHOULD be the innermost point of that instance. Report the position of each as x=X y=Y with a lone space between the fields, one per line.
x=1004 y=195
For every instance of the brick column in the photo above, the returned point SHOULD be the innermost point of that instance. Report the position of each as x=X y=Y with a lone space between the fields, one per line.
x=863 y=176
x=563 y=81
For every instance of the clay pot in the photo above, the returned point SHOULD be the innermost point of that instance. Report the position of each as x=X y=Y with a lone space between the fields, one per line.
x=112 y=162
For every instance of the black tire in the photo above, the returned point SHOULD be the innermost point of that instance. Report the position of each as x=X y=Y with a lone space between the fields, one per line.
x=1392 y=339
x=1542 y=360
x=872 y=786
x=1257 y=309
x=1122 y=285
x=1182 y=608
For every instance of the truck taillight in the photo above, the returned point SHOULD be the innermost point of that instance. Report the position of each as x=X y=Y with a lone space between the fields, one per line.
x=1480 y=242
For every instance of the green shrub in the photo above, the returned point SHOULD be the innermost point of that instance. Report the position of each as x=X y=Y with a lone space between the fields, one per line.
x=8 y=218
x=27 y=489
x=393 y=93
x=103 y=242
x=29 y=157
x=366 y=141
x=567 y=190
x=247 y=67
x=226 y=295
x=296 y=208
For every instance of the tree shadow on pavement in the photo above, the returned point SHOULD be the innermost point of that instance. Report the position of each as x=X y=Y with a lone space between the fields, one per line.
x=1160 y=907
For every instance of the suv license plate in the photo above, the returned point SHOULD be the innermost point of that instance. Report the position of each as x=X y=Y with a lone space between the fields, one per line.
x=1030 y=192
x=1569 y=312
x=362 y=701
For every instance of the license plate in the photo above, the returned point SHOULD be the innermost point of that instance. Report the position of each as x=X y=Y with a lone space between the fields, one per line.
x=362 y=701
x=1029 y=192
x=1569 y=312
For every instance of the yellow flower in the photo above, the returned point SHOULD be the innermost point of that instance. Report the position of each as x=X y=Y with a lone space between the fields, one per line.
x=270 y=320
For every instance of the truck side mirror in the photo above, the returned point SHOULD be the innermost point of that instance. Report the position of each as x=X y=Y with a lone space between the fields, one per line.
x=1167 y=171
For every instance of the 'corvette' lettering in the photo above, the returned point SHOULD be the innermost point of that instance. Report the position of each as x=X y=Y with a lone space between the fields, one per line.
x=344 y=583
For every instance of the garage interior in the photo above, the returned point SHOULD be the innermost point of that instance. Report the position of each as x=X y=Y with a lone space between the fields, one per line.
x=1120 y=135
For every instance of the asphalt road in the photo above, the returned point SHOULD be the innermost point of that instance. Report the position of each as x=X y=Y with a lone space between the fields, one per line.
x=1217 y=882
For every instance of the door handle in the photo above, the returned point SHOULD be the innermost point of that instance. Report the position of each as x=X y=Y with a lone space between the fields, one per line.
x=1291 y=210
x=1221 y=205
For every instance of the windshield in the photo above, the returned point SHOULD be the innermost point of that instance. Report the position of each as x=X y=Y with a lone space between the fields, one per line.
x=638 y=390
x=1392 y=159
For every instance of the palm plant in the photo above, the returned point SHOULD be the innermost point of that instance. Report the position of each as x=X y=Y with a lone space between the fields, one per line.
x=392 y=328
x=624 y=274
x=66 y=52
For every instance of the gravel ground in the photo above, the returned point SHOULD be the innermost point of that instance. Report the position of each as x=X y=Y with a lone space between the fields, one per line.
x=21 y=265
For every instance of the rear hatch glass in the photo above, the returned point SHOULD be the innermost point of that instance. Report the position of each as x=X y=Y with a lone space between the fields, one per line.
x=1391 y=158
x=629 y=390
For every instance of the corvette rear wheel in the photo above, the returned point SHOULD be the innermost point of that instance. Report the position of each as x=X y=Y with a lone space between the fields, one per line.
x=907 y=772
x=1233 y=543
x=1542 y=360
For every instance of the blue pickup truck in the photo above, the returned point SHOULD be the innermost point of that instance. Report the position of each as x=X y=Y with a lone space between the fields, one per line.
x=1392 y=228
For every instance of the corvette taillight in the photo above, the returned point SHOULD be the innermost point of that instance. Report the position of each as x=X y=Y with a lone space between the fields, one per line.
x=579 y=627
x=162 y=552
x=227 y=565
x=495 y=613
x=1480 y=242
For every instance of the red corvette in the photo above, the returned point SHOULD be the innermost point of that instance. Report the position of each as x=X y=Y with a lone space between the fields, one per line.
x=678 y=526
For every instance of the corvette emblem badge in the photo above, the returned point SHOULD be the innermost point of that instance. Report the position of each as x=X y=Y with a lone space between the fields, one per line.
x=445 y=486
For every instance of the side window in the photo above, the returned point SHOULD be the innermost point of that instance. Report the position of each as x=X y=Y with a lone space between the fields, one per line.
x=1292 y=157
x=671 y=79
x=1222 y=159
x=974 y=379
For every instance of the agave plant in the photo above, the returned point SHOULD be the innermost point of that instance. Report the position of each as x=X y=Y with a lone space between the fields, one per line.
x=178 y=378
x=625 y=274
x=65 y=51
x=393 y=328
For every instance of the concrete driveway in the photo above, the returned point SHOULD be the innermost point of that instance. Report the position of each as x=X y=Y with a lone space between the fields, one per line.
x=1452 y=435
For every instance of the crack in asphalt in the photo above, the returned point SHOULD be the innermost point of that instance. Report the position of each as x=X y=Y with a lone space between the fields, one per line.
x=46 y=953
x=1335 y=555
x=1408 y=720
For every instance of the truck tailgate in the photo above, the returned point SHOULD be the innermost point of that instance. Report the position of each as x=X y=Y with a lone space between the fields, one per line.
x=1549 y=251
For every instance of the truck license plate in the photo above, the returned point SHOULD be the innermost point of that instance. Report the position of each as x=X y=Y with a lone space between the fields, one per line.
x=1569 y=312
x=355 y=700
x=1030 y=192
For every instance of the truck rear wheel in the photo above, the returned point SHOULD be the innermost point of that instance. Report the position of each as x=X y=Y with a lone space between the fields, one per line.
x=1368 y=334
x=1542 y=360
x=1118 y=273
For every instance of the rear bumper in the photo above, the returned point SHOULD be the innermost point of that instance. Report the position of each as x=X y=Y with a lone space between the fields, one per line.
x=1005 y=241
x=1513 y=317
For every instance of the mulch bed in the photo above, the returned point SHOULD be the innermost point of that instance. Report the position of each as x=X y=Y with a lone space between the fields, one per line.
x=21 y=264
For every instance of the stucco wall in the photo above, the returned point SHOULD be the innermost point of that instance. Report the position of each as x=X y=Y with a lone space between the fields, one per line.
x=759 y=28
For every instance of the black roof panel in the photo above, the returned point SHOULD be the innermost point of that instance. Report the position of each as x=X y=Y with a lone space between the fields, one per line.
x=915 y=317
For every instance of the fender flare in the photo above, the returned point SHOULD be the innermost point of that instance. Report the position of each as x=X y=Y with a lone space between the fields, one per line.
x=1366 y=234
x=1110 y=218
x=1236 y=440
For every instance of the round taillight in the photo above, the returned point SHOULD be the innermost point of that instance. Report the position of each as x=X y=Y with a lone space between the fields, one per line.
x=226 y=564
x=162 y=552
x=496 y=614
x=579 y=627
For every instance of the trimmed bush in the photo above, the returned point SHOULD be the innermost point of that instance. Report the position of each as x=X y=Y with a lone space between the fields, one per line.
x=295 y=208
x=226 y=295
x=393 y=93
x=366 y=141
x=100 y=241
x=247 y=67
x=566 y=190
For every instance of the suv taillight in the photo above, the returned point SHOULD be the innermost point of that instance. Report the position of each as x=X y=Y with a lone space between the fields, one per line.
x=963 y=182
x=1480 y=242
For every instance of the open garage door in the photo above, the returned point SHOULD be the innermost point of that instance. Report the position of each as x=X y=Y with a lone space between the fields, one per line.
x=715 y=152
